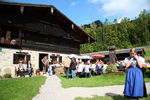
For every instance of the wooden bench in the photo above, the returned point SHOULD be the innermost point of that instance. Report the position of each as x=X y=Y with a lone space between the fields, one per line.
x=22 y=73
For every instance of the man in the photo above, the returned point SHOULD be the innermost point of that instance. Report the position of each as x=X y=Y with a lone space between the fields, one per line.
x=45 y=63
x=50 y=71
x=66 y=63
x=73 y=67
x=29 y=66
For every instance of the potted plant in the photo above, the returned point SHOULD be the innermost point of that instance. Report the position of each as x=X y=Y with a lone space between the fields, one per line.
x=111 y=68
x=37 y=72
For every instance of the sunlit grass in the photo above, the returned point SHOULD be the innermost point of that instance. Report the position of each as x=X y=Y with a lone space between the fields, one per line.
x=20 y=88
x=95 y=81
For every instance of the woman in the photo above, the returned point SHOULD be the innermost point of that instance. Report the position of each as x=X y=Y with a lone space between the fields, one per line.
x=80 y=69
x=87 y=70
x=21 y=69
x=134 y=85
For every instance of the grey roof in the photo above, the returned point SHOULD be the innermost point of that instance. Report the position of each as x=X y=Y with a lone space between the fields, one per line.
x=117 y=51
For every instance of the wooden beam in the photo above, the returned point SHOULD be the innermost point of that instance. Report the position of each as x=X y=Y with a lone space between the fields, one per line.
x=31 y=45
x=44 y=33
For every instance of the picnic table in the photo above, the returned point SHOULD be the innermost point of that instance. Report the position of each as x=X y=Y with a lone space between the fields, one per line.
x=147 y=66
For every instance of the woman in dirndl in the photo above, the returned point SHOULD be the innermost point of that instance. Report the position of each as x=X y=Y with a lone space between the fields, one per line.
x=134 y=84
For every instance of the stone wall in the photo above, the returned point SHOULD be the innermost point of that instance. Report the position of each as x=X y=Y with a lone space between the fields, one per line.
x=6 y=59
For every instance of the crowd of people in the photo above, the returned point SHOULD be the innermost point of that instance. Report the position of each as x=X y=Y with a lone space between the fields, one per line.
x=83 y=68
x=77 y=67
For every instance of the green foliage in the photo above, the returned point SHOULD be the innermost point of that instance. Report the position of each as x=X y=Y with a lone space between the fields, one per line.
x=111 y=68
x=126 y=34
x=20 y=88
x=147 y=52
x=7 y=75
x=86 y=48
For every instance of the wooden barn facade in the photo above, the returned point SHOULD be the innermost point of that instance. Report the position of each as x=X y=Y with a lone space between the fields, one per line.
x=31 y=31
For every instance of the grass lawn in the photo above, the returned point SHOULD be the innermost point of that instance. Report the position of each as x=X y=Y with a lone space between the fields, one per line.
x=95 y=81
x=20 y=88
x=109 y=98
x=147 y=53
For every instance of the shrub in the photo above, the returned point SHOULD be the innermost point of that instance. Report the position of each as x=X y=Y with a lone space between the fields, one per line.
x=7 y=75
x=111 y=68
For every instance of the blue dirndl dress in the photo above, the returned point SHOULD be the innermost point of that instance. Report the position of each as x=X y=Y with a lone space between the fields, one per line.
x=134 y=84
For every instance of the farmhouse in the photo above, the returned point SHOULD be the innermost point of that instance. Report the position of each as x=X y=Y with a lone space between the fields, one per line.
x=32 y=31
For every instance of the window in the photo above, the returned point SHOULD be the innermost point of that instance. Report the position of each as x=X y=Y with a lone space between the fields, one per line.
x=18 y=57
x=56 y=59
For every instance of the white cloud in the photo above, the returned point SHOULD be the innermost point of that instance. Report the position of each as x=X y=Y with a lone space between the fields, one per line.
x=73 y=3
x=98 y=1
x=123 y=8
x=94 y=1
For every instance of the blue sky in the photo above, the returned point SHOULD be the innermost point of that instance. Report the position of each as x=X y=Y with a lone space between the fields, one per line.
x=86 y=11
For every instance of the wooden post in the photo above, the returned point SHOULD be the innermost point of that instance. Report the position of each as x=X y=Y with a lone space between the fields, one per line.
x=112 y=54
x=20 y=38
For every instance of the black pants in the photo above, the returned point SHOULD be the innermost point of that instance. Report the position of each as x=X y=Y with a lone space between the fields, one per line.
x=53 y=70
x=22 y=73
x=88 y=74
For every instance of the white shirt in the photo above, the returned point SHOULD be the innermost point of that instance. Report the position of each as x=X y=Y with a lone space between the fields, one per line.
x=80 y=68
x=87 y=68
x=93 y=66
x=134 y=62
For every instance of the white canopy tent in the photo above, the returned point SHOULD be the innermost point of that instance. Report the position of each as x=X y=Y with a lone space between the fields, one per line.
x=74 y=55
x=80 y=56
x=85 y=57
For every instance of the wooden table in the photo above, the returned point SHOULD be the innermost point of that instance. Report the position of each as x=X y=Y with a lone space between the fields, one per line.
x=146 y=66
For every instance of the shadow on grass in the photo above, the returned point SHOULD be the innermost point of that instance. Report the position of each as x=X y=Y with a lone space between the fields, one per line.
x=119 y=97
x=63 y=76
x=116 y=96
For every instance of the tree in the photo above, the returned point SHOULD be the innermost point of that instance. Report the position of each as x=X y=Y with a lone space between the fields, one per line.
x=126 y=34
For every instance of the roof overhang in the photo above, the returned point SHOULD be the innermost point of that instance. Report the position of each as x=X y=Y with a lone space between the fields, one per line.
x=62 y=20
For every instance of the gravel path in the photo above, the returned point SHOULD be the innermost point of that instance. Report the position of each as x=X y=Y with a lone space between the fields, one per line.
x=52 y=90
